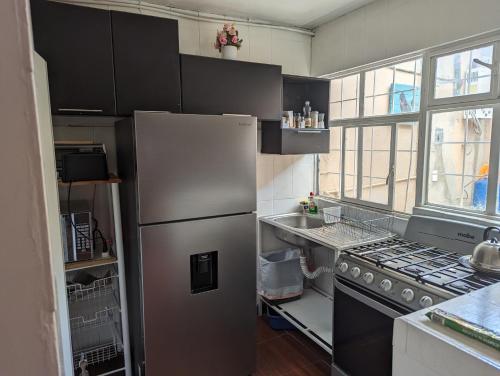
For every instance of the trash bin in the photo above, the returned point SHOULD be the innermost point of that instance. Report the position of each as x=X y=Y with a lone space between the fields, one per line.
x=280 y=276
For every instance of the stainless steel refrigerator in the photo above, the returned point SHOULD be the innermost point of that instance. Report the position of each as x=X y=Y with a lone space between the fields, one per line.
x=188 y=205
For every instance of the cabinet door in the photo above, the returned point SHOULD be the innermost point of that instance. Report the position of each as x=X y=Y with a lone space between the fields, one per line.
x=76 y=43
x=216 y=86
x=146 y=53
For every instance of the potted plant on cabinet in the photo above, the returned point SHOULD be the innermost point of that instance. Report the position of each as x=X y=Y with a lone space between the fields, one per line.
x=228 y=42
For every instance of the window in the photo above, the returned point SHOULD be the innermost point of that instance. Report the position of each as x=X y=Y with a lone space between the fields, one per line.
x=394 y=89
x=459 y=158
x=350 y=165
x=344 y=95
x=330 y=174
x=405 y=180
x=376 y=143
x=463 y=132
x=464 y=73
x=362 y=164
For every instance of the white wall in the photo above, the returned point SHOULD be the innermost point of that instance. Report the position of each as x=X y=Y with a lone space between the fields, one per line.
x=388 y=28
x=289 y=49
x=28 y=344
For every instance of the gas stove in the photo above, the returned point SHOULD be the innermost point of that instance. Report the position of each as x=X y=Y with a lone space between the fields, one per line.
x=416 y=274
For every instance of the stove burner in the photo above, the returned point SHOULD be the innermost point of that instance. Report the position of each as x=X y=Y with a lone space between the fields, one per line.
x=425 y=264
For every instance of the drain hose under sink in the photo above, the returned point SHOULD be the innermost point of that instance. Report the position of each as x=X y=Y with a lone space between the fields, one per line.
x=314 y=274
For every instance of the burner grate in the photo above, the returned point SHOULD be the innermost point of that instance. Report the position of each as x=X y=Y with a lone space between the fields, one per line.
x=425 y=264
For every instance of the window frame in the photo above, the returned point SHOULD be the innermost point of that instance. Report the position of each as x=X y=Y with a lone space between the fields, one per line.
x=494 y=88
x=359 y=168
x=494 y=150
x=428 y=106
x=361 y=122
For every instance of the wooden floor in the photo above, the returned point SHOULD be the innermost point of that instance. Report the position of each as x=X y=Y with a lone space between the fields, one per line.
x=288 y=353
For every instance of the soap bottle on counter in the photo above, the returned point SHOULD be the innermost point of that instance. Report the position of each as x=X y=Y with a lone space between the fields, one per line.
x=313 y=205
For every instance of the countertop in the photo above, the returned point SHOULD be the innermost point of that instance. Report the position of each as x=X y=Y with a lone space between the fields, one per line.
x=441 y=351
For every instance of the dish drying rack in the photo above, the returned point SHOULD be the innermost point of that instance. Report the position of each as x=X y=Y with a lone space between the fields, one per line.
x=346 y=227
x=95 y=319
x=99 y=288
x=97 y=354
x=99 y=319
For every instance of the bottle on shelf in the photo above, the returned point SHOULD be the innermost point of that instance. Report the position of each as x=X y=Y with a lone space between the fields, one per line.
x=307 y=114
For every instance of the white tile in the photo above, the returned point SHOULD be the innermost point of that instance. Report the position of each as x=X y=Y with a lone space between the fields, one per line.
x=244 y=51
x=283 y=176
x=259 y=49
x=302 y=180
x=284 y=206
x=307 y=159
x=264 y=208
x=265 y=177
x=282 y=53
x=189 y=36
x=208 y=33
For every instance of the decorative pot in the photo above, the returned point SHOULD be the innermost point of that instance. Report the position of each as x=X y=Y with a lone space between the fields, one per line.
x=229 y=52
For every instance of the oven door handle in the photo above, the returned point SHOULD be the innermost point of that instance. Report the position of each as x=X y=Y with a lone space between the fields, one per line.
x=368 y=301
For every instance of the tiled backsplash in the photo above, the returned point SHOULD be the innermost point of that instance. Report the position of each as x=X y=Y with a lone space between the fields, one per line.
x=283 y=181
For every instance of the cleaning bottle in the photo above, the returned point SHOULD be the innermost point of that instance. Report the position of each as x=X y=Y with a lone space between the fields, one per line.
x=313 y=207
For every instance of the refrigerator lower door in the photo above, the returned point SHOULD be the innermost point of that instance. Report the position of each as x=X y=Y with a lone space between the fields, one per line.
x=199 y=297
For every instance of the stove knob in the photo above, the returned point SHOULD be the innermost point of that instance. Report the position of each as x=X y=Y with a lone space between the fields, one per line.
x=355 y=272
x=368 y=278
x=343 y=267
x=425 y=301
x=408 y=295
x=386 y=285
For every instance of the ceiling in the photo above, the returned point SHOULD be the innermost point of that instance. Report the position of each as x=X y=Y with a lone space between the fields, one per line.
x=300 y=13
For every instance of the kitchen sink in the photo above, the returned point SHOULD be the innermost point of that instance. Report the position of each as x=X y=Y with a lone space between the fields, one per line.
x=301 y=221
x=296 y=221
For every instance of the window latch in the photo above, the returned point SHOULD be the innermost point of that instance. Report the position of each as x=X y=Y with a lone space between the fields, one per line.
x=484 y=64
x=391 y=173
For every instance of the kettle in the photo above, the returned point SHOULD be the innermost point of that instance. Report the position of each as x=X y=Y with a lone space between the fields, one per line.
x=486 y=255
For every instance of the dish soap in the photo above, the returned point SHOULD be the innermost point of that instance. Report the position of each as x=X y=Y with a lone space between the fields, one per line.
x=313 y=206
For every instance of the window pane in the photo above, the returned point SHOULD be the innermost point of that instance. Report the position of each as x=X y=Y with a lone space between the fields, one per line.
x=498 y=195
x=350 y=87
x=462 y=74
x=330 y=166
x=350 y=162
x=336 y=90
x=349 y=109
x=459 y=155
x=344 y=97
x=394 y=89
x=350 y=186
x=405 y=180
x=376 y=163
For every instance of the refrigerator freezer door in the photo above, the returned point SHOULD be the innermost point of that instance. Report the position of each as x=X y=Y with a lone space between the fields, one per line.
x=194 y=166
x=207 y=332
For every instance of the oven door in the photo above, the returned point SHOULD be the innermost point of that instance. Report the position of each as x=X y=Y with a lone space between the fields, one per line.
x=362 y=331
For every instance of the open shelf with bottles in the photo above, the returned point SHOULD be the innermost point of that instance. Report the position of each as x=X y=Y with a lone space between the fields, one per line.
x=296 y=91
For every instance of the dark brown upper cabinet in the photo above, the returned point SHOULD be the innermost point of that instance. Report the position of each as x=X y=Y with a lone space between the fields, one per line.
x=215 y=86
x=146 y=58
x=76 y=42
